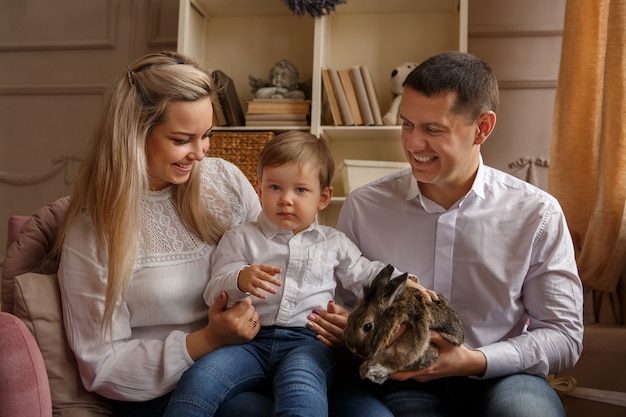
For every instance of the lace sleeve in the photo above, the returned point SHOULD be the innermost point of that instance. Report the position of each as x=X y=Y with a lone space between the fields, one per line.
x=229 y=192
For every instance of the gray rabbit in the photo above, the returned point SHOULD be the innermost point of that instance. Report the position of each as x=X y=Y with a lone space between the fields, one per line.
x=390 y=327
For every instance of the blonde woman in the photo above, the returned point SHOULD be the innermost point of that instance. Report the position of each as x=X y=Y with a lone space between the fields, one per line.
x=144 y=219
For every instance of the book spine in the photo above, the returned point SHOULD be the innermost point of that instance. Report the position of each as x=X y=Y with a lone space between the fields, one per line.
x=331 y=97
x=372 y=96
x=361 y=95
x=218 y=115
x=342 y=100
x=348 y=87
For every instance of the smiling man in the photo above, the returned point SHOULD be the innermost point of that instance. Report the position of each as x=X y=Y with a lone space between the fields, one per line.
x=496 y=247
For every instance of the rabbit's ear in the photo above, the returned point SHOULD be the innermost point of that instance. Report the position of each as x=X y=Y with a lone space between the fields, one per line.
x=395 y=288
x=378 y=284
x=385 y=290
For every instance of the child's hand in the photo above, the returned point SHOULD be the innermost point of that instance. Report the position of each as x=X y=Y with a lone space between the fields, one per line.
x=258 y=277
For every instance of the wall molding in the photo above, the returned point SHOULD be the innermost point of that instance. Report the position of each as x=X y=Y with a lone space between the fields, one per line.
x=527 y=84
x=106 y=42
x=513 y=31
x=163 y=42
x=156 y=38
x=65 y=164
x=45 y=90
x=61 y=163
x=60 y=45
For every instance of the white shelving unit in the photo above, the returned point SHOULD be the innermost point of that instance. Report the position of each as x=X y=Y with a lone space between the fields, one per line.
x=247 y=37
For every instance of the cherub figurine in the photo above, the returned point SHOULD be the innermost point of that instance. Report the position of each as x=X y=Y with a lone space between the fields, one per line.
x=282 y=83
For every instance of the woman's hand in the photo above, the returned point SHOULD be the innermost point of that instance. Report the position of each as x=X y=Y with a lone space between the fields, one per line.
x=452 y=361
x=236 y=325
x=329 y=324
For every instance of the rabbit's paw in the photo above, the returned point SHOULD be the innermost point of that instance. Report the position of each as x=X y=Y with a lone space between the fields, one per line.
x=375 y=372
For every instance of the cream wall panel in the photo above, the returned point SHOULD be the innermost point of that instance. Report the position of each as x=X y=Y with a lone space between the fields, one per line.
x=34 y=134
x=57 y=59
x=530 y=58
x=521 y=41
x=59 y=24
x=161 y=27
x=523 y=130
x=41 y=148
x=489 y=16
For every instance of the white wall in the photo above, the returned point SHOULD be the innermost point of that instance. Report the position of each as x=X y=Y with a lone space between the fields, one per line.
x=521 y=41
x=55 y=65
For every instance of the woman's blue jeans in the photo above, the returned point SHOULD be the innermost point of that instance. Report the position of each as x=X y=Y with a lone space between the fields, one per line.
x=518 y=395
x=298 y=366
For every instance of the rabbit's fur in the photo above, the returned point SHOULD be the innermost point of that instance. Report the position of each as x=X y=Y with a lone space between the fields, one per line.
x=387 y=307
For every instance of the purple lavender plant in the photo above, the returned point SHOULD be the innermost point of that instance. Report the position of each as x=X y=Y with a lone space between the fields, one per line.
x=313 y=7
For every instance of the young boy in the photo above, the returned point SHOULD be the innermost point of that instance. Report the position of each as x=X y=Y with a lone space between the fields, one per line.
x=291 y=265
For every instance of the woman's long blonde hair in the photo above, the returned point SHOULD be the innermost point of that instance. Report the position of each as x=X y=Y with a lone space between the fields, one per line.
x=113 y=177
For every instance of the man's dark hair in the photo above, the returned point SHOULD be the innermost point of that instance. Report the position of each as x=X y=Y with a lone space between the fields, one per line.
x=466 y=75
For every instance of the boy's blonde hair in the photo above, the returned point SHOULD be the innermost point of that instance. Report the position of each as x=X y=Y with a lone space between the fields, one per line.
x=299 y=147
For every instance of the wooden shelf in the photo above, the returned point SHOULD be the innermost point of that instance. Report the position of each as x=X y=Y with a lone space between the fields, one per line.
x=365 y=133
x=258 y=128
x=247 y=37
x=278 y=8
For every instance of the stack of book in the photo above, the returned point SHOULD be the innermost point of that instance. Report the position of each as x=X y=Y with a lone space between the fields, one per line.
x=350 y=96
x=278 y=112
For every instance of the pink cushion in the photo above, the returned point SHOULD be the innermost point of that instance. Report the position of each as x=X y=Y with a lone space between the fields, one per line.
x=38 y=304
x=15 y=225
x=34 y=241
x=24 y=390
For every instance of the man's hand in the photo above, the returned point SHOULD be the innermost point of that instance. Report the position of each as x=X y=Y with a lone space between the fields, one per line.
x=414 y=282
x=453 y=361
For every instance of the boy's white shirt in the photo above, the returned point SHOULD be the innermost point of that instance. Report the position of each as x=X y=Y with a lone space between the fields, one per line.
x=312 y=263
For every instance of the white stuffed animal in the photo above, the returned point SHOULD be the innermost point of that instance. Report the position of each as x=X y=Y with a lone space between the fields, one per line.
x=398 y=75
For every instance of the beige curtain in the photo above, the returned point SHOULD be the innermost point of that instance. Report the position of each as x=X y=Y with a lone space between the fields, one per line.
x=588 y=155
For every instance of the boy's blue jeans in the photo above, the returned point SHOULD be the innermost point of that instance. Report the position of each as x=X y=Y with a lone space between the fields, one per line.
x=291 y=360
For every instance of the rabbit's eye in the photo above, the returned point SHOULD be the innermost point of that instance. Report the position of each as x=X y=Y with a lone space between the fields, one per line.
x=367 y=327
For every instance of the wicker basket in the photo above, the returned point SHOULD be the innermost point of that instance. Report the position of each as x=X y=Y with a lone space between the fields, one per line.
x=240 y=148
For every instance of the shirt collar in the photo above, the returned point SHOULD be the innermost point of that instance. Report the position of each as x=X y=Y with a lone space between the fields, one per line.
x=478 y=187
x=270 y=230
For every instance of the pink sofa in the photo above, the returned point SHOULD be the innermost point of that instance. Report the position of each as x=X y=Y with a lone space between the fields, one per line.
x=34 y=298
x=25 y=390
